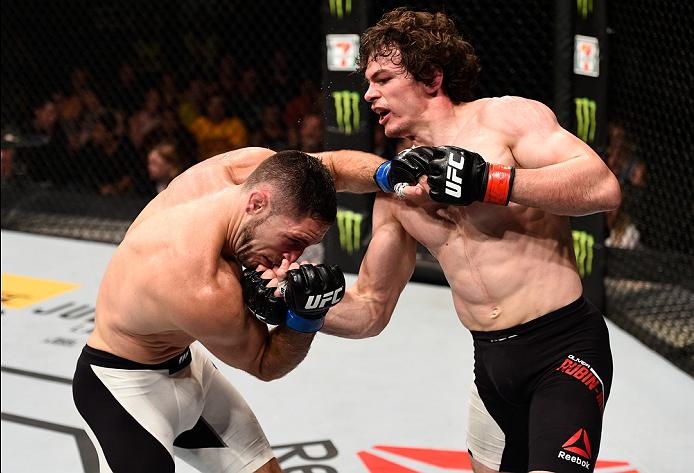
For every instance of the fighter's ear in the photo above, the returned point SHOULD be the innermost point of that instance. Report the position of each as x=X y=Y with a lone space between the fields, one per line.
x=258 y=201
x=436 y=82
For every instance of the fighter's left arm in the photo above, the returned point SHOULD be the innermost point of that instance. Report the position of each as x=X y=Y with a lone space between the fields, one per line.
x=352 y=170
x=555 y=171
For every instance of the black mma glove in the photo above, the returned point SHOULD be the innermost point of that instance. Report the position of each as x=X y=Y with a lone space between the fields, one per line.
x=260 y=299
x=405 y=168
x=460 y=177
x=309 y=292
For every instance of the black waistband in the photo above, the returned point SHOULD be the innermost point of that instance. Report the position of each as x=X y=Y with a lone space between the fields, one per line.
x=108 y=360
x=577 y=307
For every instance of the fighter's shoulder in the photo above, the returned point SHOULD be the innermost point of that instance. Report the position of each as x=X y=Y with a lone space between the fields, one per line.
x=514 y=114
x=252 y=152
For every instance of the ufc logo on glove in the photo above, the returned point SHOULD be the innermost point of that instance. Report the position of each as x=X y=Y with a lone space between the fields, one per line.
x=453 y=181
x=319 y=301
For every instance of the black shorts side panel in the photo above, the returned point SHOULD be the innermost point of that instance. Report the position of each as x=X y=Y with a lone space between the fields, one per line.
x=545 y=383
x=128 y=447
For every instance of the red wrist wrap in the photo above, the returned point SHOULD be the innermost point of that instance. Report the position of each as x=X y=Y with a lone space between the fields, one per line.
x=499 y=183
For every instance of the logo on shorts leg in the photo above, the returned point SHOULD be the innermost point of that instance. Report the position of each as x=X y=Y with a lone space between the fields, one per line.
x=583 y=372
x=579 y=446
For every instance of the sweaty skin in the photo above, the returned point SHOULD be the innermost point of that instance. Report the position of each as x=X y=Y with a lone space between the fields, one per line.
x=175 y=277
x=505 y=265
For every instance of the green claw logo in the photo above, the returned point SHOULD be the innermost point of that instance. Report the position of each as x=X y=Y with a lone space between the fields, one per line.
x=338 y=10
x=349 y=228
x=583 y=249
x=347 y=110
x=584 y=7
x=586 y=110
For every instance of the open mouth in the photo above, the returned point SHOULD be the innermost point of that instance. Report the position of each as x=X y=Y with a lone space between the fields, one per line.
x=383 y=116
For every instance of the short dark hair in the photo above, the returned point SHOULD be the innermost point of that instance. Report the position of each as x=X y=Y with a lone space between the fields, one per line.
x=303 y=184
x=426 y=42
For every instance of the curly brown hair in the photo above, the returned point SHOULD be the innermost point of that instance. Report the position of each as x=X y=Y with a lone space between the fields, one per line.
x=427 y=42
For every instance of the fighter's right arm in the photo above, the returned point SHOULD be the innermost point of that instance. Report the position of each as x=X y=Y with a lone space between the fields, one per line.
x=388 y=264
x=220 y=321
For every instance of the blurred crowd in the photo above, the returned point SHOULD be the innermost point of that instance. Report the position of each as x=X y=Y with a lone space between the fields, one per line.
x=133 y=135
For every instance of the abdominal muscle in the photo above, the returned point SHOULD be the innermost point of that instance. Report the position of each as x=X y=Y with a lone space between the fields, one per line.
x=505 y=265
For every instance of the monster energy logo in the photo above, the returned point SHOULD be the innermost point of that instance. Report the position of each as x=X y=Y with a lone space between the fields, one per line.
x=338 y=10
x=349 y=228
x=584 y=7
x=585 y=118
x=583 y=249
x=346 y=110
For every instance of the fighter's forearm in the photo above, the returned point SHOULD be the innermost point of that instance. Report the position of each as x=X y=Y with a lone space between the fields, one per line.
x=574 y=187
x=352 y=170
x=355 y=317
x=284 y=350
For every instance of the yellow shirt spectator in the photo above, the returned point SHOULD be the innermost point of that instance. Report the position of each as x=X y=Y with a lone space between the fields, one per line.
x=215 y=133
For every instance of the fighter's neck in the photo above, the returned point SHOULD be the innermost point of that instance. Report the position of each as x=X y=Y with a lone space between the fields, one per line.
x=235 y=218
x=440 y=125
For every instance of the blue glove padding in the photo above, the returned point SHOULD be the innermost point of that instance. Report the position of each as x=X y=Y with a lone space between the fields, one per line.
x=405 y=168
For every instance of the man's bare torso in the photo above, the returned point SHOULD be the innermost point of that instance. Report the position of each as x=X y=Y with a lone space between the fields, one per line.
x=173 y=249
x=505 y=265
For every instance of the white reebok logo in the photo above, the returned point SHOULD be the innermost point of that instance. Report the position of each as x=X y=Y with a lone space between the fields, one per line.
x=319 y=301
x=183 y=357
x=453 y=181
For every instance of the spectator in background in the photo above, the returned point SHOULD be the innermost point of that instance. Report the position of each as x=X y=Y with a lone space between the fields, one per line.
x=124 y=94
x=8 y=164
x=308 y=101
x=217 y=133
x=49 y=161
x=193 y=102
x=92 y=109
x=71 y=107
x=271 y=134
x=279 y=81
x=163 y=165
x=146 y=119
x=311 y=133
x=630 y=170
x=109 y=162
x=168 y=89
x=227 y=77
x=172 y=131
x=246 y=103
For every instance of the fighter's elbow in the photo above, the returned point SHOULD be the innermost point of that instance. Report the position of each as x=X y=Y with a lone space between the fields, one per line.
x=267 y=377
x=377 y=322
x=611 y=195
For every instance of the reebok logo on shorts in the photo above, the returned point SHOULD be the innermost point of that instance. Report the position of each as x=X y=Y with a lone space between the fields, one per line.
x=578 y=447
x=582 y=371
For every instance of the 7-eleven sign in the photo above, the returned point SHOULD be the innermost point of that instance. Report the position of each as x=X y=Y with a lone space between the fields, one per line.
x=342 y=51
x=586 y=56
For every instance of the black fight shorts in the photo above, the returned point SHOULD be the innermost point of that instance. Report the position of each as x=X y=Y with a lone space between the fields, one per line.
x=539 y=392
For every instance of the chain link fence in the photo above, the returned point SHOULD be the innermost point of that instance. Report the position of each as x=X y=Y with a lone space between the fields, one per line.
x=650 y=266
x=103 y=102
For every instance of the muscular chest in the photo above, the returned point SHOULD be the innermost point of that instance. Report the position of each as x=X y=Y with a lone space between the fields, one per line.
x=436 y=225
x=485 y=142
